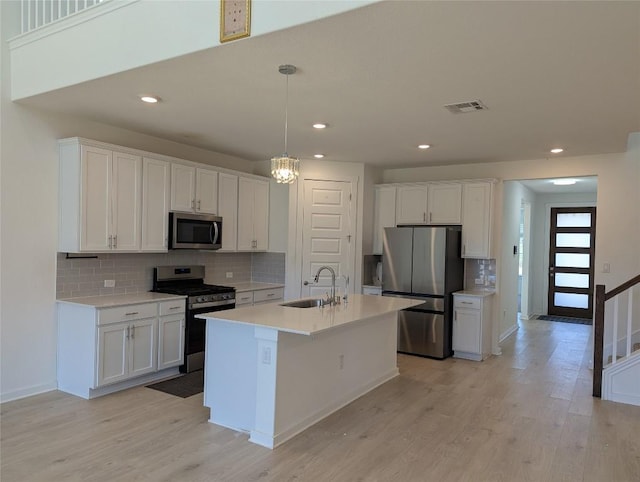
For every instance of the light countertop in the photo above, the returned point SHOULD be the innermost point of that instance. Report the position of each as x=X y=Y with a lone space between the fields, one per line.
x=254 y=286
x=111 y=301
x=477 y=293
x=308 y=321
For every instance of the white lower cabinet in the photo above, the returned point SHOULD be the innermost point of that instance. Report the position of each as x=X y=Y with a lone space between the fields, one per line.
x=101 y=350
x=471 y=327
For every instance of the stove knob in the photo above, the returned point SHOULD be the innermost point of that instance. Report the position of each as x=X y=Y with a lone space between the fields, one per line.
x=200 y=299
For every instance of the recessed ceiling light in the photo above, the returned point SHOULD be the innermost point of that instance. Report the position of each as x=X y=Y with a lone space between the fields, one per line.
x=318 y=156
x=149 y=99
x=424 y=146
x=319 y=125
x=564 y=182
x=557 y=150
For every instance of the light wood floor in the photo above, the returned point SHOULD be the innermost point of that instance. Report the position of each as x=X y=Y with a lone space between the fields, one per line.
x=526 y=415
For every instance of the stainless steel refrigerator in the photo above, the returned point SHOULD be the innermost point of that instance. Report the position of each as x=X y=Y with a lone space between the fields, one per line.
x=423 y=262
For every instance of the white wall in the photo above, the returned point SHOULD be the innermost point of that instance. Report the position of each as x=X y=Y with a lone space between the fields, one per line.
x=124 y=38
x=618 y=218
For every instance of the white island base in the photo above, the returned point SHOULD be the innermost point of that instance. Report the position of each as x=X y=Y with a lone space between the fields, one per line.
x=275 y=381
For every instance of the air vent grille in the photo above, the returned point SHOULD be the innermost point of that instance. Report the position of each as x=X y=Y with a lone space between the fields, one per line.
x=466 y=107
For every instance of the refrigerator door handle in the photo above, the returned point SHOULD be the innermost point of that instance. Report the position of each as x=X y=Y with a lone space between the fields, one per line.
x=433 y=329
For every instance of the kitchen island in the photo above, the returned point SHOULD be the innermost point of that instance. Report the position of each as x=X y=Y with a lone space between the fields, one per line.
x=272 y=371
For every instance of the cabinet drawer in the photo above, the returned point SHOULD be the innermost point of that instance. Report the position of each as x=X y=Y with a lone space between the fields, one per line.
x=172 y=307
x=126 y=313
x=244 y=298
x=268 y=295
x=467 y=302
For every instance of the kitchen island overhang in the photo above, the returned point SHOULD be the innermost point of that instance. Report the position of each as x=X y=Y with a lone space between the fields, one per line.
x=272 y=371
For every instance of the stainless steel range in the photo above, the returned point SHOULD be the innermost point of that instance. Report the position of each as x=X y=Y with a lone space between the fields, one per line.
x=201 y=298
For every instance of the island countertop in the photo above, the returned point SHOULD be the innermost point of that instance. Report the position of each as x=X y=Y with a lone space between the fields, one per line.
x=309 y=321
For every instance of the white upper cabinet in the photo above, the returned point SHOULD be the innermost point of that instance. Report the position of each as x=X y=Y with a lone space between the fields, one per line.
x=155 y=204
x=228 y=210
x=253 y=214
x=384 y=214
x=476 y=219
x=411 y=204
x=445 y=203
x=100 y=199
x=194 y=190
x=206 y=191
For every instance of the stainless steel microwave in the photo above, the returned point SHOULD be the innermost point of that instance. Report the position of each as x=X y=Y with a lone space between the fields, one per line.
x=194 y=231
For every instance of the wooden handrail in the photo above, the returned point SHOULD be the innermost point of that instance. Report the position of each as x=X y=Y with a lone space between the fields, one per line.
x=623 y=287
x=598 y=329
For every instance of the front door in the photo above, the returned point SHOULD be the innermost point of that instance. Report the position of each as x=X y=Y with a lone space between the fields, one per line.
x=327 y=234
x=571 y=256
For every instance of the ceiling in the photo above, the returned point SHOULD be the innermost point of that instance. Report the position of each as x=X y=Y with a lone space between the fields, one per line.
x=552 y=74
x=546 y=186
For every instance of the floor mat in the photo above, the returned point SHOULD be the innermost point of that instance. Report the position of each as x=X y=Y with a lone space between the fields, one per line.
x=565 y=319
x=183 y=386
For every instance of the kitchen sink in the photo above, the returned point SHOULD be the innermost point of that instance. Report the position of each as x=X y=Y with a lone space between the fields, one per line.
x=308 y=303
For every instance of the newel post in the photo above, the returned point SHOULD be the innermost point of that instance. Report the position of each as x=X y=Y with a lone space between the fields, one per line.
x=598 y=340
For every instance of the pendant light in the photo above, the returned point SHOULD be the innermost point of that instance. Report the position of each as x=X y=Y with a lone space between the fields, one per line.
x=284 y=169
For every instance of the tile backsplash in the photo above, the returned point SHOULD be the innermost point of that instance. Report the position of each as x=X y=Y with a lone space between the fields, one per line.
x=133 y=273
x=483 y=270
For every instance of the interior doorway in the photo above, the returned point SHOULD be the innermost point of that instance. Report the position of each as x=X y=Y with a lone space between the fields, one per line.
x=524 y=260
x=571 y=260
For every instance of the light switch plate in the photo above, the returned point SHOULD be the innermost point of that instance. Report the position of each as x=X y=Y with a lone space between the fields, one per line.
x=229 y=274
x=109 y=283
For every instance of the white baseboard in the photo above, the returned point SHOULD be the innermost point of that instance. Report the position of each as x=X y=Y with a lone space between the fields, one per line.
x=508 y=332
x=27 y=392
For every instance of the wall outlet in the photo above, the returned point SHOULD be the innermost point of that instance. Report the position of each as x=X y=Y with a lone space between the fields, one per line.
x=266 y=355
x=109 y=283
x=229 y=274
x=479 y=281
x=606 y=268
x=341 y=361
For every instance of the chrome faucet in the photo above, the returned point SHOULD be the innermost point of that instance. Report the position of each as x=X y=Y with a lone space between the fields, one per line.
x=332 y=300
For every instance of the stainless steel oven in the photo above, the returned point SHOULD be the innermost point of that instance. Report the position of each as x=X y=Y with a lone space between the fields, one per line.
x=201 y=298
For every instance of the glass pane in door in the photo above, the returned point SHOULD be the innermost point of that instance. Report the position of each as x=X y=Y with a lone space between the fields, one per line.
x=572 y=300
x=573 y=220
x=572 y=260
x=575 y=280
x=573 y=240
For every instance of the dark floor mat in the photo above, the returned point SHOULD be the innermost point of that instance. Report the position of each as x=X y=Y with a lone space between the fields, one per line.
x=183 y=386
x=565 y=319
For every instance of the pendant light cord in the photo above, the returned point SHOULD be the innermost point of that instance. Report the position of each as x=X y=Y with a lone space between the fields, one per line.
x=286 y=116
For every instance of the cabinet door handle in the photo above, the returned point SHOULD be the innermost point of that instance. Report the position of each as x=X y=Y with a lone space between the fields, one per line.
x=133 y=332
x=115 y=241
x=198 y=204
x=271 y=294
x=193 y=204
x=430 y=217
x=110 y=241
x=175 y=308
x=466 y=303
x=132 y=313
x=464 y=249
x=424 y=217
x=128 y=328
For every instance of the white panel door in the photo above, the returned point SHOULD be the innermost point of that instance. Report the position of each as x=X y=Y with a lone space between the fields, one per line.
x=155 y=205
x=206 y=191
x=328 y=216
x=127 y=184
x=183 y=188
x=96 y=199
x=466 y=331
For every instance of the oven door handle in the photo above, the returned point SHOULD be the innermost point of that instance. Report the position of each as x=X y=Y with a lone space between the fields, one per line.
x=202 y=307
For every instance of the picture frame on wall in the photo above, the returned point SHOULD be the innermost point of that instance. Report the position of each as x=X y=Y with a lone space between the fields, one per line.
x=235 y=19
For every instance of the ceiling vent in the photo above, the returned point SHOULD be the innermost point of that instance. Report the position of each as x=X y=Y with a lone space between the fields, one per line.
x=465 y=107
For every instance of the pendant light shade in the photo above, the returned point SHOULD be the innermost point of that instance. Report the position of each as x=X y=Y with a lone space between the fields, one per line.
x=284 y=168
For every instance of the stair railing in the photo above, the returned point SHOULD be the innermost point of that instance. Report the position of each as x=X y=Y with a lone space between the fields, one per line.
x=38 y=13
x=598 y=336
